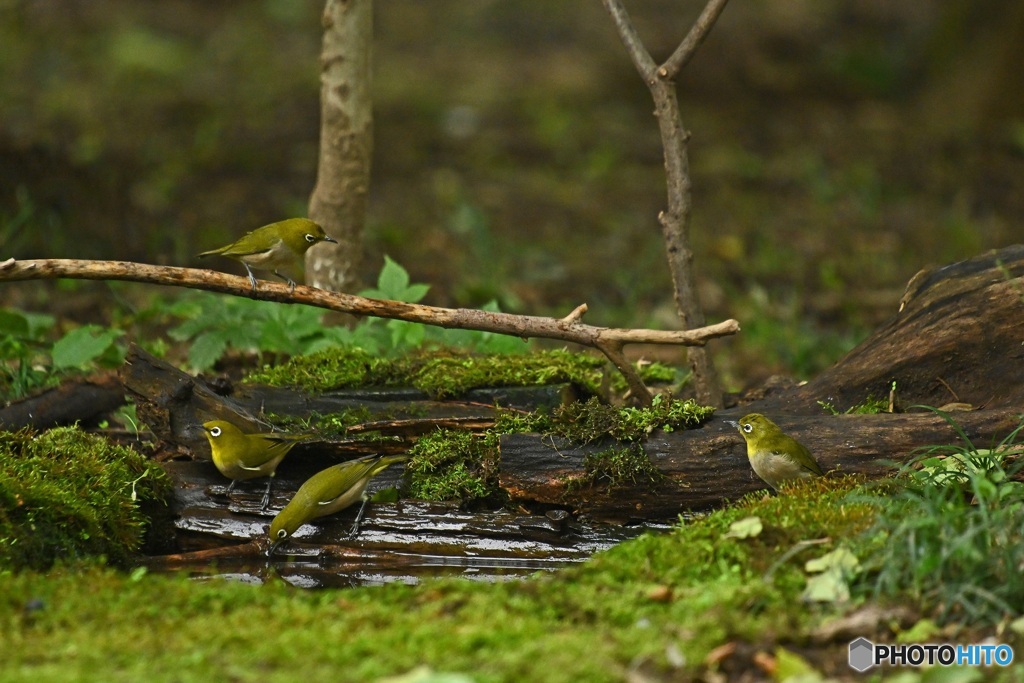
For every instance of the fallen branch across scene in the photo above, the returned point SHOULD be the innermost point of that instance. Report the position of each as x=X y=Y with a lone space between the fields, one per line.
x=608 y=340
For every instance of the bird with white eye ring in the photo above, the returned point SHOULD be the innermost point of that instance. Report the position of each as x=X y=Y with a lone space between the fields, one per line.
x=274 y=247
x=240 y=456
x=775 y=456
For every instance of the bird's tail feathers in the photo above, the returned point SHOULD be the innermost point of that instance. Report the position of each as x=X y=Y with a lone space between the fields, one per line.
x=387 y=461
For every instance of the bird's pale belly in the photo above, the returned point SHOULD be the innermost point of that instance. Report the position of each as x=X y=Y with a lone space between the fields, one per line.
x=775 y=469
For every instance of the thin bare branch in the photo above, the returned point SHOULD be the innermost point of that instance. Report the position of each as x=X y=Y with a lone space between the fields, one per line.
x=675 y=221
x=569 y=329
x=642 y=59
x=613 y=352
x=575 y=315
x=698 y=32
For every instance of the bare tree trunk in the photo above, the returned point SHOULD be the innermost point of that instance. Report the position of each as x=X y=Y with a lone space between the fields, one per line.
x=339 y=199
x=675 y=221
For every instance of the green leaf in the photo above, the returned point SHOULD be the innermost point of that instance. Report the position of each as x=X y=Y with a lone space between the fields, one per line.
x=393 y=277
x=424 y=674
x=393 y=283
x=13 y=323
x=405 y=334
x=834 y=570
x=952 y=674
x=840 y=558
x=81 y=346
x=414 y=293
x=828 y=586
x=925 y=630
x=791 y=668
x=206 y=349
x=748 y=527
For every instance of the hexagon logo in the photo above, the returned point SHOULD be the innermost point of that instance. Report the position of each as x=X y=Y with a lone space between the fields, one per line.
x=862 y=655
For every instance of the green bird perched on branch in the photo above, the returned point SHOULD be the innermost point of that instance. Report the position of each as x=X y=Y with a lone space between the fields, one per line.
x=241 y=456
x=273 y=247
x=775 y=456
x=329 y=491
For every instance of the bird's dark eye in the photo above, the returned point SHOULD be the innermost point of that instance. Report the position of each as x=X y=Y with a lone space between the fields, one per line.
x=310 y=238
x=281 y=533
x=748 y=428
x=215 y=431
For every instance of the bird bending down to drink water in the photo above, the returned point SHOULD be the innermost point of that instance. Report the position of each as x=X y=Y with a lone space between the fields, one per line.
x=329 y=491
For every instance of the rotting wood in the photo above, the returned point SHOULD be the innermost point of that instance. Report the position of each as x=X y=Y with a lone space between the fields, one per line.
x=700 y=468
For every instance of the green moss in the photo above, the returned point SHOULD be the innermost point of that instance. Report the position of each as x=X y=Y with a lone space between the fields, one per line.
x=65 y=493
x=595 y=622
x=438 y=373
x=454 y=465
x=449 y=465
x=441 y=373
x=617 y=466
x=592 y=420
x=323 y=371
x=325 y=425
x=627 y=461
x=586 y=422
x=870 y=406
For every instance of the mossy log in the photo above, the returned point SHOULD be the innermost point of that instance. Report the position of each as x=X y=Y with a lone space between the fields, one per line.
x=171 y=403
x=956 y=338
x=702 y=468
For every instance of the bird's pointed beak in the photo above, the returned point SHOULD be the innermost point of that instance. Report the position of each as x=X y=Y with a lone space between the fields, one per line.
x=732 y=423
x=274 y=546
x=328 y=238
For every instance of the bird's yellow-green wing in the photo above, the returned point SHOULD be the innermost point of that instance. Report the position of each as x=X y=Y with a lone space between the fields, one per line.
x=805 y=459
x=325 y=487
x=257 y=241
x=327 y=492
x=263 y=448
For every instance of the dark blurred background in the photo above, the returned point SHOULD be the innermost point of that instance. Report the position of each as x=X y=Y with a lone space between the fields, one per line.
x=837 y=148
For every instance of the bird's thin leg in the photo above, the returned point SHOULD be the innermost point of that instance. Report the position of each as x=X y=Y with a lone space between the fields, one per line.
x=359 y=516
x=266 y=494
x=231 y=486
x=291 y=282
x=252 y=278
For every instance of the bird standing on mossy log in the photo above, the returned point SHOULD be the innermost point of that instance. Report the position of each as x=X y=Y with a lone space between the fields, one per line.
x=274 y=247
x=329 y=491
x=241 y=456
x=775 y=456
